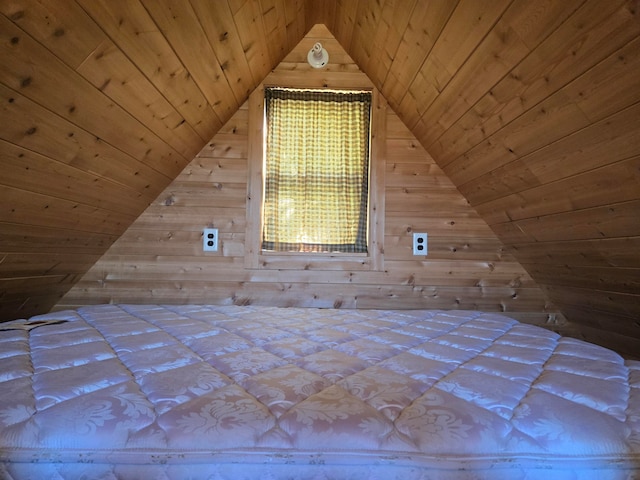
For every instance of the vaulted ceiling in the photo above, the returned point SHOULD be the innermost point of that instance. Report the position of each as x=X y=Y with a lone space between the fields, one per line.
x=531 y=107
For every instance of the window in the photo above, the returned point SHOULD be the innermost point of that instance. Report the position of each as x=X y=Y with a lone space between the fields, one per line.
x=314 y=254
x=316 y=180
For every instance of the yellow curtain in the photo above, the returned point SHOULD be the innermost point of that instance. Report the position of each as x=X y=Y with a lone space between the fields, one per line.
x=317 y=170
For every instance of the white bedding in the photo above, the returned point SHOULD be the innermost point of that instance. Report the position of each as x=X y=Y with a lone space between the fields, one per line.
x=226 y=392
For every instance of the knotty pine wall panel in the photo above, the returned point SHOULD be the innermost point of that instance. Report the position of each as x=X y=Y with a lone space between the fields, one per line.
x=510 y=98
x=133 y=30
x=531 y=109
x=104 y=103
x=78 y=101
x=160 y=259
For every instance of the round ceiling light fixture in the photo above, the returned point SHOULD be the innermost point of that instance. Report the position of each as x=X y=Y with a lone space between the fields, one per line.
x=318 y=56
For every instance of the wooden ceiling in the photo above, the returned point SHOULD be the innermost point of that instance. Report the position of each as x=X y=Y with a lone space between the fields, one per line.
x=531 y=107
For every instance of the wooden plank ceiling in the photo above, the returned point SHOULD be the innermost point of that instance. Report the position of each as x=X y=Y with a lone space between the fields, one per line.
x=531 y=107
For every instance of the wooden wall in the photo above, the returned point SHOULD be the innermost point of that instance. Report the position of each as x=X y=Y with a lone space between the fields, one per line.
x=532 y=108
x=103 y=103
x=160 y=258
x=529 y=107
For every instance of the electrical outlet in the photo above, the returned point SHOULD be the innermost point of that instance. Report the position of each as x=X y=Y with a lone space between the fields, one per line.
x=419 y=243
x=210 y=240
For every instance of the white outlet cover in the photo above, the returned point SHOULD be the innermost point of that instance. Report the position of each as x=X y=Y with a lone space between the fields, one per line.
x=420 y=244
x=210 y=240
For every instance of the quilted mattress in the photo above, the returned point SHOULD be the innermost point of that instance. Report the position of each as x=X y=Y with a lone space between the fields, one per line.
x=228 y=392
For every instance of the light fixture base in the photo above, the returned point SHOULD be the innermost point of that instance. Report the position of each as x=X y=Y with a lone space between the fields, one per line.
x=318 y=57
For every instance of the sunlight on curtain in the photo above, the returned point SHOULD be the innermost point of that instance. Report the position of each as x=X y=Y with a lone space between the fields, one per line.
x=316 y=171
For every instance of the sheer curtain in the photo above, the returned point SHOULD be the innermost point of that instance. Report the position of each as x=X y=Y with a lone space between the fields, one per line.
x=317 y=171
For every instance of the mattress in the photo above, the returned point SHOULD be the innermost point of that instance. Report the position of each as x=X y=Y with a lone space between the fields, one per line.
x=234 y=392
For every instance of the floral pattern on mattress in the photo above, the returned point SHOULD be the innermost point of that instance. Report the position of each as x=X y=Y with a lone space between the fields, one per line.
x=201 y=379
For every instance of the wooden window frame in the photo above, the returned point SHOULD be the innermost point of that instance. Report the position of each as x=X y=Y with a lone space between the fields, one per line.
x=256 y=258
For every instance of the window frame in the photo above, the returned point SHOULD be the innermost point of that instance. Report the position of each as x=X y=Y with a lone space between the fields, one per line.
x=256 y=258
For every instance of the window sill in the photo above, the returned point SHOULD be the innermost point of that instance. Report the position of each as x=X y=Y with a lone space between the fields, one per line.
x=313 y=261
x=315 y=254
